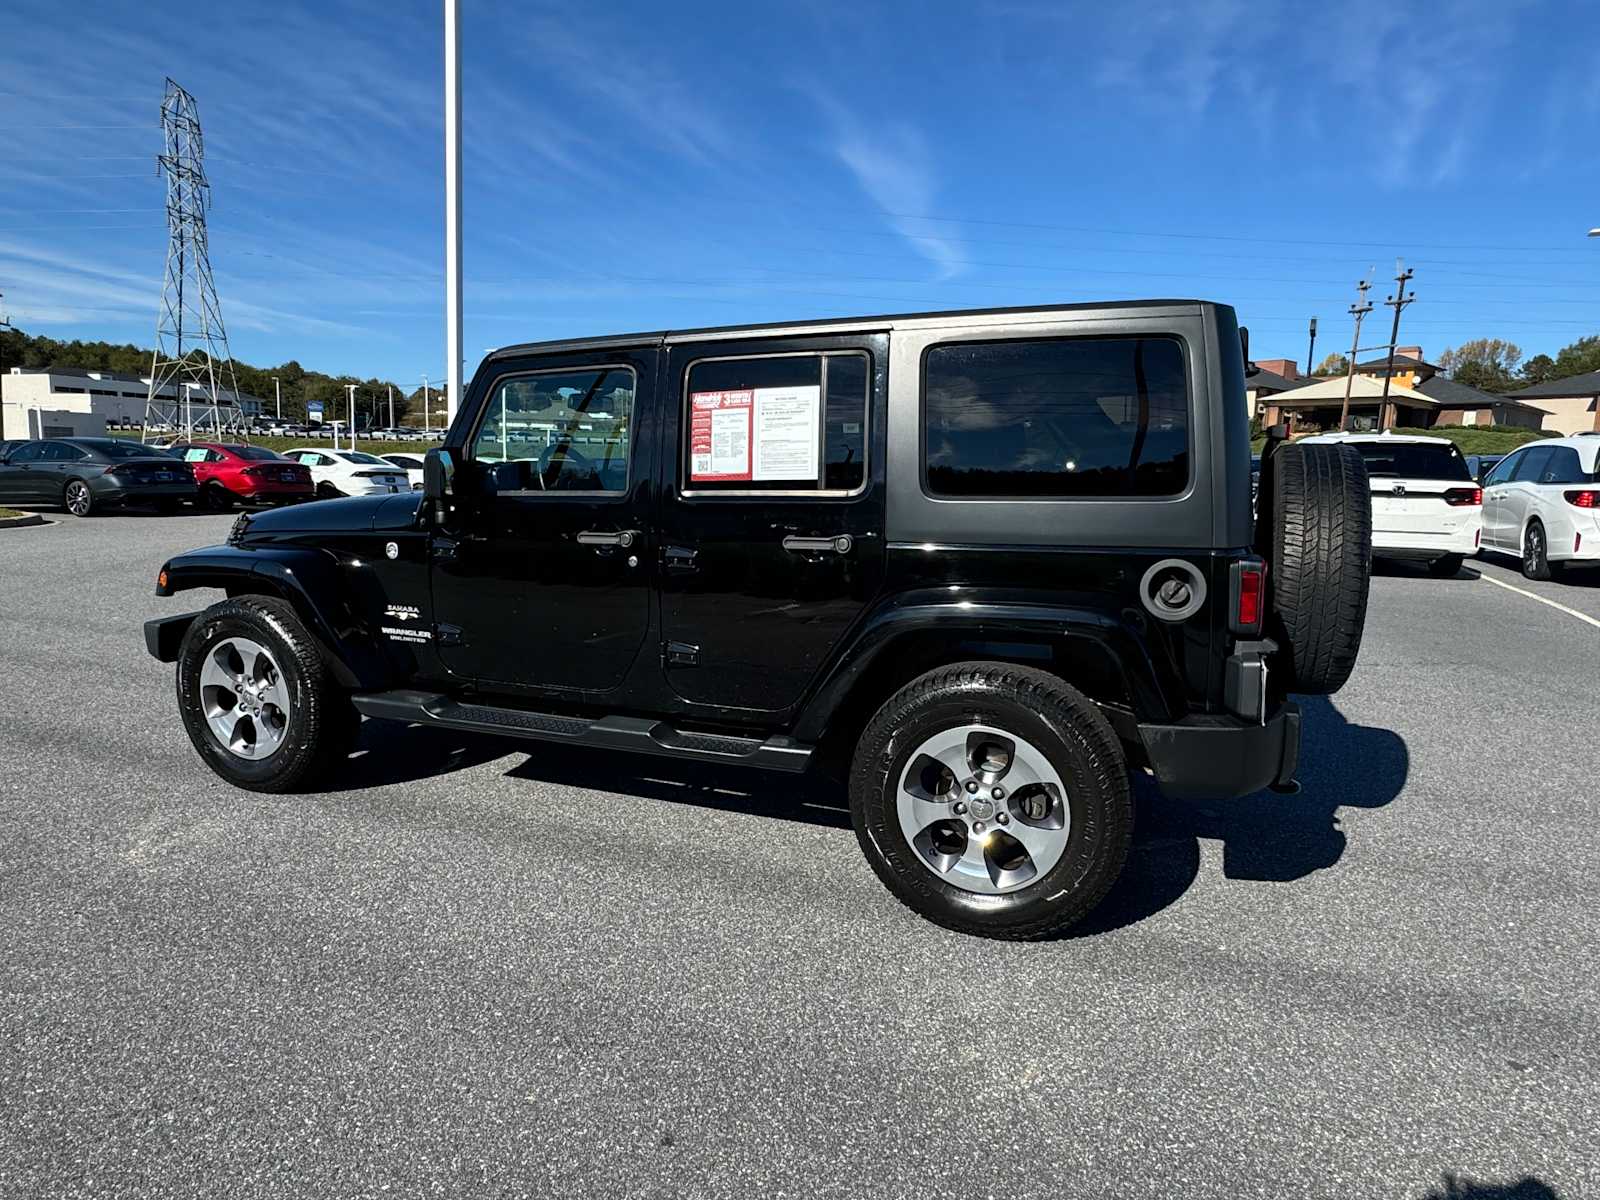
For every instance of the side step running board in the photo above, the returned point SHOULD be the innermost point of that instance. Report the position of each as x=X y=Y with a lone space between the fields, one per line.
x=607 y=733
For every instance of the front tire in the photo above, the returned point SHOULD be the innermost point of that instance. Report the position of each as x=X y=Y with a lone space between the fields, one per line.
x=992 y=799
x=326 y=491
x=257 y=698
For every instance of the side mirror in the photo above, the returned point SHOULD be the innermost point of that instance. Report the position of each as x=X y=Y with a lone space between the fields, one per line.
x=438 y=485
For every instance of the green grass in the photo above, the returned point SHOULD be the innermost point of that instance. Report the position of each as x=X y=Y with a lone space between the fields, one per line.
x=7 y=513
x=1480 y=439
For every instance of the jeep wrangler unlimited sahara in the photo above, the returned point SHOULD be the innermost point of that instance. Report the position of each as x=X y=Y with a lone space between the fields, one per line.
x=990 y=560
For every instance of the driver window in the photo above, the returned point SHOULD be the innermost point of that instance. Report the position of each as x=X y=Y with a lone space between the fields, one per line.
x=566 y=431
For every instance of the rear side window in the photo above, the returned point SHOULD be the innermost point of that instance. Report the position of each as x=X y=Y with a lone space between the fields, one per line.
x=1532 y=465
x=1413 y=460
x=1563 y=466
x=1060 y=418
x=777 y=423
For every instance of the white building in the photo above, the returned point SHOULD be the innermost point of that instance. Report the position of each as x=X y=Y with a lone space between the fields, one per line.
x=70 y=401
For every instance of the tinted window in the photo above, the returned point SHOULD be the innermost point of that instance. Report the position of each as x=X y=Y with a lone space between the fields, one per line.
x=63 y=452
x=1413 y=460
x=1532 y=464
x=32 y=452
x=125 y=449
x=1503 y=469
x=405 y=461
x=567 y=431
x=365 y=460
x=794 y=422
x=254 y=453
x=1079 y=417
x=1563 y=467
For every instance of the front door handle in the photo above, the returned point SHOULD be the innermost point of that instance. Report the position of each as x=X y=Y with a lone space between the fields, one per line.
x=590 y=537
x=840 y=544
x=678 y=558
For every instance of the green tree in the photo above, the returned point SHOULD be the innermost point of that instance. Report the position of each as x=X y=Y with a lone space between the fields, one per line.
x=1334 y=364
x=1487 y=364
x=1538 y=369
x=1579 y=358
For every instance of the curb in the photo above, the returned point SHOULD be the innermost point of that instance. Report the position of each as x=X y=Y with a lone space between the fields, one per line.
x=19 y=522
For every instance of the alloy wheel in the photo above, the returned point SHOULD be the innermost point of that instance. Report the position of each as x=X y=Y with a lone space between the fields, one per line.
x=79 y=499
x=1533 y=549
x=983 y=809
x=244 y=698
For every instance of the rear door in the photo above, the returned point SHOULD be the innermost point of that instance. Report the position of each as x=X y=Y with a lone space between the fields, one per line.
x=1417 y=489
x=1517 y=499
x=772 y=511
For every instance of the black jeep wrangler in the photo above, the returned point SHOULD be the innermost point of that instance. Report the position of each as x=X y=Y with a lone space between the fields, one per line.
x=985 y=561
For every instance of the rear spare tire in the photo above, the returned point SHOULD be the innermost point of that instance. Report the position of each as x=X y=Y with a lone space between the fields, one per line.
x=1315 y=530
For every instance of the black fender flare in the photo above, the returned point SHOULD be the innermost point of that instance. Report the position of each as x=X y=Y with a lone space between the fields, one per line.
x=309 y=579
x=921 y=612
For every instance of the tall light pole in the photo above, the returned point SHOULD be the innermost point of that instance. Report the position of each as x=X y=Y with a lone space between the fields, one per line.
x=277 y=397
x=427 y=428
x=351 y=388
x=391 y=406
x=452 y=203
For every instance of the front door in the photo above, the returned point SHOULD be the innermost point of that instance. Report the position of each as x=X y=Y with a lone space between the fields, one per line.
x=26 y=477
x=772 y=511
x=541 y=578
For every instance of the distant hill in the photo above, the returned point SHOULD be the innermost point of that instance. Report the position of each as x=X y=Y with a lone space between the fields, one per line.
x=299 y=385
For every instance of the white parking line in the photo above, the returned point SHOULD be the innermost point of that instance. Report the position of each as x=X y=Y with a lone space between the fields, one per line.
x=1571 y=612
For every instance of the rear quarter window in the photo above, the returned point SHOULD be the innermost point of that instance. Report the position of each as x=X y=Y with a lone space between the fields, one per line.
x=1059 y=418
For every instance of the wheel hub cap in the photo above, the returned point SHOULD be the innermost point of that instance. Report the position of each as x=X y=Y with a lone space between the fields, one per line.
x=244 y=698
x=983 y=809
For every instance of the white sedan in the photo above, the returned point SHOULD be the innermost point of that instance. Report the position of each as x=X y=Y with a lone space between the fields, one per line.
x=1542 y=504
x=1425 y=504
x=350 y=473
x=410 y=464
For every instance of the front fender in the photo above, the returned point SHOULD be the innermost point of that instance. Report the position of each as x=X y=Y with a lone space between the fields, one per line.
x=921 y=612
x=310 y=581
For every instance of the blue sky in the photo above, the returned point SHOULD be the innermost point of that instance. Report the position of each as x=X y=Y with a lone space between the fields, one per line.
x=647 y=166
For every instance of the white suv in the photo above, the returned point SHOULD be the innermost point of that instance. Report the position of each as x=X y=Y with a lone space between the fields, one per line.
x=1425 y=503
x=350 y=472
x=1542 y=504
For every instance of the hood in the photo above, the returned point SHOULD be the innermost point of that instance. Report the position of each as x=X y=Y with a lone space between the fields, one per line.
x=352 y=514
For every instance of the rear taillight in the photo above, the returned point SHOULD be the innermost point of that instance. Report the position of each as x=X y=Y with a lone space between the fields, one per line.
x=1248 y=583
x=373 y=474
x=1464 y=497
x=254 y=472
x=1588 y=498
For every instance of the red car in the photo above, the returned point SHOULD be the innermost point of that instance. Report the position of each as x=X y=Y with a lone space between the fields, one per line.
x=229 y=474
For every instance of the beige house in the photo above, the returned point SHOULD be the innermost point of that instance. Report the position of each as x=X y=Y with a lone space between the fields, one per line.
x=1569 y=404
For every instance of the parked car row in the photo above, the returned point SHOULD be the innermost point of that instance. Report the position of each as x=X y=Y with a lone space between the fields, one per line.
x=1430 y=503
x=94 y=474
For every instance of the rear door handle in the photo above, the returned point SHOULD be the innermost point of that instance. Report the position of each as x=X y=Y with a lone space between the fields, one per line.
x=678 y=558
x=591 y=537
x=841 y=544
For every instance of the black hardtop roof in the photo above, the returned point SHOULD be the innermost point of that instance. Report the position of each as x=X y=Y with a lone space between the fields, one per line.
x=659 y=336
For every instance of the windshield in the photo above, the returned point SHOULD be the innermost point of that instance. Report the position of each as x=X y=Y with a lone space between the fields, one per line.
x=1413 y=460
x=365 y=460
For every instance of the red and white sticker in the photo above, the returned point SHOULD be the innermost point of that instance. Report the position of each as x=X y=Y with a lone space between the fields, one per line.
x=719 y=435
x=755 y=434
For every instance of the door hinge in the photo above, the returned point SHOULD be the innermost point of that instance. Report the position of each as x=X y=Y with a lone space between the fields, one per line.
x=446 y=635
x=680 y=654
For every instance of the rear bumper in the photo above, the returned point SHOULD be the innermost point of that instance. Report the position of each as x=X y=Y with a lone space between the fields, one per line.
x=1414 y=544
x=143 y=493
x=1213 y=758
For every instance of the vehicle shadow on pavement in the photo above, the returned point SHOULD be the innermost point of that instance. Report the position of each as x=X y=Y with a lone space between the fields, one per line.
x=1265 y=836
x=1455 y=1187
x=389 y=752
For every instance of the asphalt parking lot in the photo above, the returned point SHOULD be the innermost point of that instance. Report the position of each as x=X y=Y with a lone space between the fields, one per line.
x=468 y=969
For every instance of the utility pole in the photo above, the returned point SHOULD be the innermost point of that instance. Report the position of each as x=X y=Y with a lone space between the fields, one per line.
x=1398 y=301
x=1358 y=310
x=391 y=406
x=452 y=202
x=5 y=327
x=277 y=397
x=1311 y=350
x=351 y=388
x=427 y=428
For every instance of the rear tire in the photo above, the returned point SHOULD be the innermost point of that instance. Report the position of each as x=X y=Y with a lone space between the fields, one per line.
x=303 y=725
x=326 y=491
x=218 y=498
x=1446 y=566
x=993 y=887
x=1536 y=552
x=1315 y=530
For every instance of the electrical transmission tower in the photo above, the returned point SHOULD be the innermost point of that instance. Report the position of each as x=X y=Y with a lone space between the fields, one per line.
x=192 y=383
